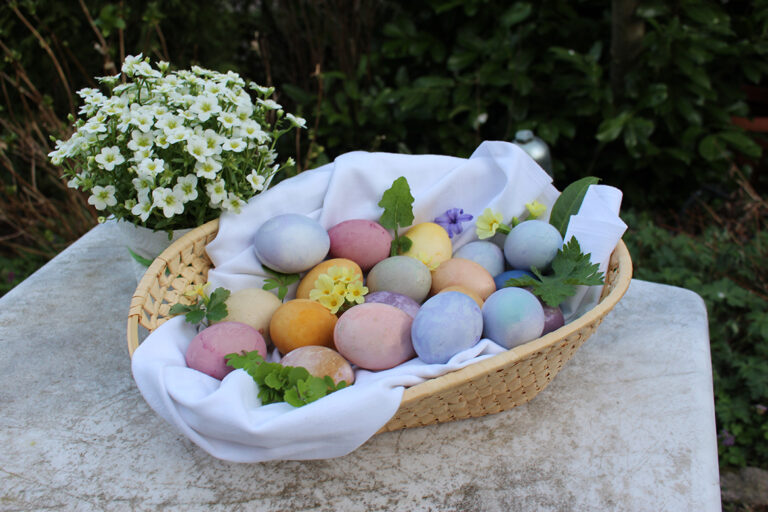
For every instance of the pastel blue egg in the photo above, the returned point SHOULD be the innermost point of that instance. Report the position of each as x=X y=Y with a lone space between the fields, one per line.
x=510 y=274
x=486 y=254
x=512 y=316
x=291 y=243
x=446 y=324
x=532 y=243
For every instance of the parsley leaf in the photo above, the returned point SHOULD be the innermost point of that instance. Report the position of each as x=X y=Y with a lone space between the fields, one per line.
x=570 y=268
x=280 y=281
x=397 y=202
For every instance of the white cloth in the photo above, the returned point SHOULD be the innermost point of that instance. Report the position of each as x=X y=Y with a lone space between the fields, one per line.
x=225 y=418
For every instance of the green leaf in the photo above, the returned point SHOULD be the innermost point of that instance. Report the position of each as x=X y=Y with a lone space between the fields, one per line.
x=515 y=14
x=610 y=129
x=397 y=202
x=742 y=143
x=195 y=316
x=179 y=309
x=712 y=148
x=140 y=259
x=569 y=203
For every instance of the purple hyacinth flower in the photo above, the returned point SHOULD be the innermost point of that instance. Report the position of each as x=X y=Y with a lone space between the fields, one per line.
x=451 y=220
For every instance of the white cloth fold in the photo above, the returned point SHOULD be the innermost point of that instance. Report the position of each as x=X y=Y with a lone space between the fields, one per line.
x=225 y=418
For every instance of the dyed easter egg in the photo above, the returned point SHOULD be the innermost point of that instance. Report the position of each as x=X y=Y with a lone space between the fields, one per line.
x=431 y=243
x=320 y=361
x=487 y=254
x=466 y=291
x=446 y=324
x=553 y=319
x=512 y=316
x=510 y=274
x=291 y=243
x=206 y=351
x=400 y=274
x=363 y=241
x=532 y=243
x=301 y=322
x=308 y=282
x=374 y=336
x=458 y=271
x=400 y=301
x=254 y=307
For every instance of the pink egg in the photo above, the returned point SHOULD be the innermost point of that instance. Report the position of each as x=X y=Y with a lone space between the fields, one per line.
x=363 y=241
x=374 y=336
x=206 y=351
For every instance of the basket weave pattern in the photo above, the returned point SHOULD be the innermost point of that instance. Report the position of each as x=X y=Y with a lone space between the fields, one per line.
x=493 y=385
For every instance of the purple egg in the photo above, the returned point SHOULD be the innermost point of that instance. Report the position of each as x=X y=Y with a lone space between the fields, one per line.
x=446 y=324
x=553 y=319
x=400 y=301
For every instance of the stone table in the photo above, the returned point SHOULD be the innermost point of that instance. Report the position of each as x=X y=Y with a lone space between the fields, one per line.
x=628 y=424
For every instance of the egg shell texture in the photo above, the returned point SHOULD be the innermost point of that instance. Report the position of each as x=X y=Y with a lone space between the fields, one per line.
x=254 y=307
x=461 y=272
x=206 y=351
x=532 y=243
x=374 y=336
x=466 y=291
x=447 y=324
x=553 y=319
x=400 y=301
x=291 y=243
x=301 y=322
x=321 y=362
x=487 y=254
x=308 y=281
x=512 y=316
x=430 y=243
x=400 y=274
x=363 y=241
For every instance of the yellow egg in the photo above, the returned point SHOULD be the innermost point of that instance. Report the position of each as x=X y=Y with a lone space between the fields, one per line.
x=466 y=291
x=431 y=244
x=254 y=307
x=301 y=322
x=308 y=282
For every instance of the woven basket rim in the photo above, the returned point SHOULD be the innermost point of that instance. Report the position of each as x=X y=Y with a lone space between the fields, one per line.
x=620 y=285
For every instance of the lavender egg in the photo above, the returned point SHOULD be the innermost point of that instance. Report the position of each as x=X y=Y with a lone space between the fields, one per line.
x=553 y=319
x=512 y=317
x=400 y=301
x=502 y=278
x=533 y=243
x=291 y=243
x=446 y=324
x=486 y=254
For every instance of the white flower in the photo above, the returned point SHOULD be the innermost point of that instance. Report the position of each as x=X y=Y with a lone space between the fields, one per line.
x=142 y=154
x=214 y=141
x=143 y=208
x=140 y=140
x=161 y=141
x=94 y=126
x=270 y=104
x=205 y=107
x=129 y=65
x=252 y=130
x=169 y=200
x=232 y=203
x=109 y=157
x=236 y=144
x=244 y=111
x=298 y=122
x=186 y=187
x=217 y=191
x=102 y=197
x=256 y=180
x=208 y=168
x=179 y=134
x=228 y=119
x=143 y=184
x=197 y=147
x=151 y=166
x=142 y=119
x=169 y=122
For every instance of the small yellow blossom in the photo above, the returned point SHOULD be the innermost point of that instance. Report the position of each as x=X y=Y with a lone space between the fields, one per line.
x=198 y=289
x=488 y=223
x=427 y=261
x=341 y=274
x=332 y=302
x=535 y=210
x=356 y=292
x=324 y=286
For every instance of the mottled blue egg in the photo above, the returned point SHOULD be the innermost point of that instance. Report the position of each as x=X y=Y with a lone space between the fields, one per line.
x=512 y=316
x=510 y=274
x=446 y=324
x=486 y=254
x=533 y=243
x=291 y=243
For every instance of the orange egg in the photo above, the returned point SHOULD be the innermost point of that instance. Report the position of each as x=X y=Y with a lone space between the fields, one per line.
x=466 y=291
x=301 y=322
x=461 y=272
x=308 y=282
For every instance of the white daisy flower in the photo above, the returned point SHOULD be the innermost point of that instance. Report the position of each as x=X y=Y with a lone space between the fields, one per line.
x=228 y=119
x=270 y=104
x=109 y=157
x=207 y=169
x=143 y=208
x=205 y=107
x=142 y=154
x=235 y=144
x=180 y=134
x=214 y=141
x=101 y=197
x=252 y=130
x=169 y=200
x=197 y=147
x=232 y=203
x=217 y=191
x=186 y=187
x=152 y=166
x=256 y=180
x=130 y=63
x=141 y=140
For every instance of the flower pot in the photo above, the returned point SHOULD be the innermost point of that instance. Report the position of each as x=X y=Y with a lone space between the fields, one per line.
x=146 y=243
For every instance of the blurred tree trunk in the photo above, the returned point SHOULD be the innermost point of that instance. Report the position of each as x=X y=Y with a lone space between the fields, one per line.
x=627 y=33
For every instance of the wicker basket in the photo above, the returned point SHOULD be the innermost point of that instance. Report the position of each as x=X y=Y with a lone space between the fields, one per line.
x=493 y=385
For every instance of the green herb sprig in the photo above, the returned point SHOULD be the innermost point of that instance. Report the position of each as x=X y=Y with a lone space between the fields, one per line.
x=212 y=307
x=278 y=383
x=280 y=281
x=397 y=202
x=570 y=268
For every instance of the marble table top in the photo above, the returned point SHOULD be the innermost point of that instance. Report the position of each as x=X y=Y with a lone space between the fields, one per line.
x=628 y=424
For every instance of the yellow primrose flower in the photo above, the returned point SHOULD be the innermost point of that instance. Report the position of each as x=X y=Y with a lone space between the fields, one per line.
x=488 y=223
x=341 y=274
x=324 y=286
x=356 y=292
x=332 y=302
x=535 y=210
x=198 y=289
x=427 y=261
